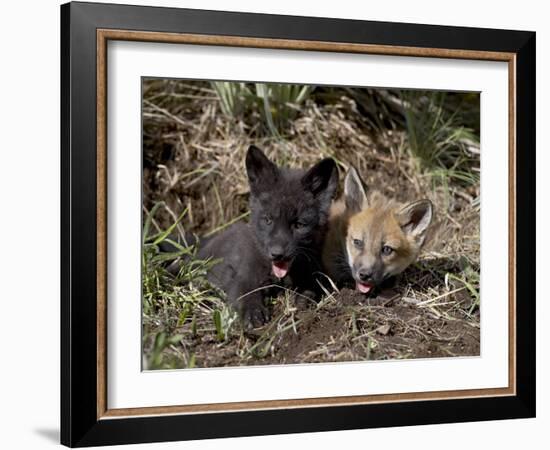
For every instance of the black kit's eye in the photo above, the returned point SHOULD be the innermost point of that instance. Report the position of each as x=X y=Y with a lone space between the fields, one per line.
x=358 y=243
x=268 y=220
x=387 y=250
x=299 y=225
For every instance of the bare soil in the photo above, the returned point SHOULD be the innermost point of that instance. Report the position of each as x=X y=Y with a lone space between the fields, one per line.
x=349 y=327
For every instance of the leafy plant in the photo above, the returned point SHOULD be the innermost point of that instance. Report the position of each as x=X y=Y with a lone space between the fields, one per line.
x=280 y=103
x=223 y=321
x=172 y=299
x=437 y=138
x=161 y=341
x=234 y=97
x=277 y=103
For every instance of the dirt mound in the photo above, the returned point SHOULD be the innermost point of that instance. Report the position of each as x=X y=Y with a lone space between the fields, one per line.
x=349 y=327
x=385 y=327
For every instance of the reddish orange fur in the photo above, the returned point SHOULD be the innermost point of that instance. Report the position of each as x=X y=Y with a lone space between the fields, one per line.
x=379 y=222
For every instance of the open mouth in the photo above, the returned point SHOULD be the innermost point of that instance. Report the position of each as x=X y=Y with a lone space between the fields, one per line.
x=364 y=288
x=280 y=268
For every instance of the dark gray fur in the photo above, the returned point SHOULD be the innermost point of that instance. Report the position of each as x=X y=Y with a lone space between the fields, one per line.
x=287 y=197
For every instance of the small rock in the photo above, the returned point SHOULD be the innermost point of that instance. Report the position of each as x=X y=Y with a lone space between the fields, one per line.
x=383 y=330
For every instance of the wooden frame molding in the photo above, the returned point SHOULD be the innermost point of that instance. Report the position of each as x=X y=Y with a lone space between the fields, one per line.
x=103 y=36
x=288 y=44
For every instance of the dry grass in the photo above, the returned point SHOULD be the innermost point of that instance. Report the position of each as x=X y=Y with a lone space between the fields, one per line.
x=194 y=162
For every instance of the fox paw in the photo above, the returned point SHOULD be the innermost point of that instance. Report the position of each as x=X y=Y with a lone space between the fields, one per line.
x=254 y=313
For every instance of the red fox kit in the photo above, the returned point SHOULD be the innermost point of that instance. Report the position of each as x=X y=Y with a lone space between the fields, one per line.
x=372 y=238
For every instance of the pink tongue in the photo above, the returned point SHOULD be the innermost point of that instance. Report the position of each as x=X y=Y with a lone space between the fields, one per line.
x=363 y=287
x=280 y=269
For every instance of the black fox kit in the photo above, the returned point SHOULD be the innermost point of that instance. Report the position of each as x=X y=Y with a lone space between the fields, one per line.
x=372 y=238
x=282 y=243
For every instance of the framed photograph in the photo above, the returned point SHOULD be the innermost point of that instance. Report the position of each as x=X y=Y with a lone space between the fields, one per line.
x=277 y=224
